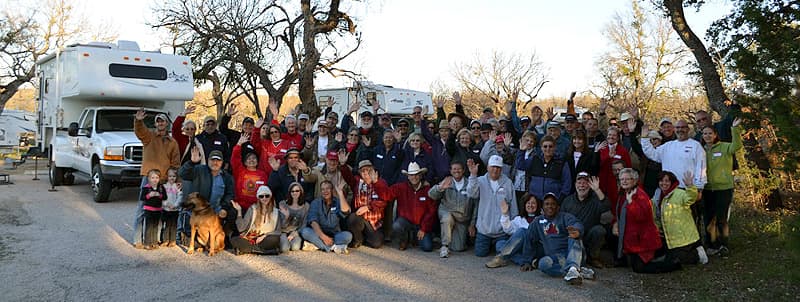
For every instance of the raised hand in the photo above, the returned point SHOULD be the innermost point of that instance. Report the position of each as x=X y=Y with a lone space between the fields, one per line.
x=274 y=163
x=343 y=156
x=507 y=139
x=503 y=207
x=140 y=114
x=420 y=235
x=594 y=183
x=373 y=175
x=472 y=167
x=492 y=135
x=645 y=130
x=600 y=146
x=245 y=137
x=236 y=206
x=259 y=123
x=574 y=233
x=446 y=183
x=376 y=106
x=635 y=112
x=273 y=107
x=457 y=97
x=631 y=123
x=440 y=101
x=550 y=113
x=354 y=107
x=737 y=122
x=231 y=110
x=301 y=165
x=189 y=110
x=284 y=210
x=524 y=143
x=603 y=105
x=688 y=179
x=196 y=155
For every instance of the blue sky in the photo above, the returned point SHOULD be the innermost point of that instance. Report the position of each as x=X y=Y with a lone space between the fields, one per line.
x=410 y=43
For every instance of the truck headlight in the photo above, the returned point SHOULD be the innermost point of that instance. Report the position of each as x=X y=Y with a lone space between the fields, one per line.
x=113 y=153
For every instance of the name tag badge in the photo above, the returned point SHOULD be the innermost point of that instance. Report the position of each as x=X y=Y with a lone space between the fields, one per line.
x=617 y=156
x=542 y=221
x=374 y=196
x=717 y=154
x=283 y=150
x=422 y=198
x=217 y=143
x=379 y=156
x=259 y=182
x=333 y=209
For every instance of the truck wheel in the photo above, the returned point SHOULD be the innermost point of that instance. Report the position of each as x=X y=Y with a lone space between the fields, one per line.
x=101 y=188
x=56 y=174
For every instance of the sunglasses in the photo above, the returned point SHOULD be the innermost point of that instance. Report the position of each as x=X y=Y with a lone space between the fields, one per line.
x=352 y=135
x=264 y=196
x=476 y=128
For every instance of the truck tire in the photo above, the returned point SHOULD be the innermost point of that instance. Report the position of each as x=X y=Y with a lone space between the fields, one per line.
x=101 y=188
x=55 y=174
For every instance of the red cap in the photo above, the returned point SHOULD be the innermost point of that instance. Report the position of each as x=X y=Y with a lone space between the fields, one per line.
x=332 y=155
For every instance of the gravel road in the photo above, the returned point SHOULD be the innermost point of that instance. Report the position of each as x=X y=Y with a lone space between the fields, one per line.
x=61 y=246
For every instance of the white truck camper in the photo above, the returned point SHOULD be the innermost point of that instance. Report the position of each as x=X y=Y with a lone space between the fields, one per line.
x=397 y=102
x=88 y=95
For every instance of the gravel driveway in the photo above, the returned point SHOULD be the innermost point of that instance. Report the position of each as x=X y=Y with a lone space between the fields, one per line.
x=61 y=246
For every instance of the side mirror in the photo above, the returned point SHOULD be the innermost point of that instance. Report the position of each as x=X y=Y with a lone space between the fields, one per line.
x=73 y=129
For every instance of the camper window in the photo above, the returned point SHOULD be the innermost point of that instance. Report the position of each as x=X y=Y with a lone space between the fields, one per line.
x=121 y=120
x=137 y=72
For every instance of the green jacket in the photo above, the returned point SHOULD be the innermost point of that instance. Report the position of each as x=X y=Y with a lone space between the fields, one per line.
x=719 y=160
x=676 y=222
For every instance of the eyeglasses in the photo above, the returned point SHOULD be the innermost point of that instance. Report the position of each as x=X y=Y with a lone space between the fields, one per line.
x=264 y=196
x=417 y=113
x=295 y=191
x=352 y=134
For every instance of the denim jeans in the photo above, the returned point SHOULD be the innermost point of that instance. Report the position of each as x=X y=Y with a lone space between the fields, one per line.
x=308 y=234
x=138 y=224
x=404 y=231
x=519 y=248
x=556 y=265
x=291 y=245
x=483 y=244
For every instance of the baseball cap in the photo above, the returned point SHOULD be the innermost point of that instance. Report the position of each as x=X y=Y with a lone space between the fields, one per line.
x=553 y=124
x=248 y=120
x=216 y=154
x=550 y=194
x=332 y=155
x=486 y=126
x=210 y=118
x=162 y=116
x=290 y=117
x=654 y=134
x=291 y=151
x=443 y=124
x=474 y=122
x=366 y=114
x=333 y=114
x=664 y=120
x=402 y=120
x=495 y=161
x=525 y=119
x=364 y=163
x=303 y=116
x=625 y=116
x=386 y=116
x=582 y=174
x=571 y=118
x=488 y=110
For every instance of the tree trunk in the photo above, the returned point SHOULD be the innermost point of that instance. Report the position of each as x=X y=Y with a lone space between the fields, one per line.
x=309 y=63
x=10 y=89
x=708 y=70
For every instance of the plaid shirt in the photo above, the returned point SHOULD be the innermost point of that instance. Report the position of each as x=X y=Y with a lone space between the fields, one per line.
x=374 y=197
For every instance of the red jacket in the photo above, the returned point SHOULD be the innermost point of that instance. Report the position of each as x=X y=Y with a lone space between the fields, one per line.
x=374 y=197
x=415 y=206
x=246 y=182
x=641 y=234
x=267 y=149
x=608 y=183
x=177 y=133
x=294 y=140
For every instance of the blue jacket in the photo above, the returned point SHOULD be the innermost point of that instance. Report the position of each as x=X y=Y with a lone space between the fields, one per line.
x=423 y=159
x=215 y=141
x=552 y=232
x=387 y=162
x=201 y=181
x=327 y=217
x=554 y=177
x=280 y=180
x=440 y=165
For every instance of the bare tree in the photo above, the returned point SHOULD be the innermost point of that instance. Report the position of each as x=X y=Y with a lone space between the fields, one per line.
x=266 y=45
x=503 y=76
x=636 y=72
x=27 y=34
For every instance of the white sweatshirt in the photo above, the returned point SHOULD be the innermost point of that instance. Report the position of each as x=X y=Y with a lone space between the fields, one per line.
x=678 y=157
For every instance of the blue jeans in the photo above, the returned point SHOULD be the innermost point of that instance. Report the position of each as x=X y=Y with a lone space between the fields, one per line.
x=483 y=244
x=343 y=237
x=405 y=230
x=291 y=245
x=519 y=248
x=138 y=228
x=556 y=265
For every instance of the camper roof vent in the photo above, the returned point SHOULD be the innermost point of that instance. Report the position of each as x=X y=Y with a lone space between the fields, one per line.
x=128 y=45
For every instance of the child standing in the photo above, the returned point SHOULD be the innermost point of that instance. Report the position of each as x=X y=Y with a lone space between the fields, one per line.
x=154 y=194
x=169 y=214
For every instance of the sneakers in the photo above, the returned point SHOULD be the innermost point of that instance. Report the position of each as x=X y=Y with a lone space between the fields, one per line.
x=587 y=273
x=701 y=254
x=340 y=249
x=444 y=252
x=724 y=251
x=403 y=245
x=711 y=252
x=573 y=276
x=496 y=262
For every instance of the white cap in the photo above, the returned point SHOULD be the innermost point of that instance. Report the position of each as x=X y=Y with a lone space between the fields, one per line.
x=495 y=161
x=303 y=116
x=262 y=190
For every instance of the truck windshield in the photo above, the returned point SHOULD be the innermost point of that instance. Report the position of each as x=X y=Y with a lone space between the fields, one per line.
x=121 y=120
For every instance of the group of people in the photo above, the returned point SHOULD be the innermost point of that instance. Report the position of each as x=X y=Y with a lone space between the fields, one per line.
x=539 y=193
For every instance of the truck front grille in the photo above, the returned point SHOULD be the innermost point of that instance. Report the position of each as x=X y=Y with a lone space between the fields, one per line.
x=133 y=154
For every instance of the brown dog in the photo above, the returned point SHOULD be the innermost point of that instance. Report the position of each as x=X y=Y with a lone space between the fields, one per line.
x=205 y=225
